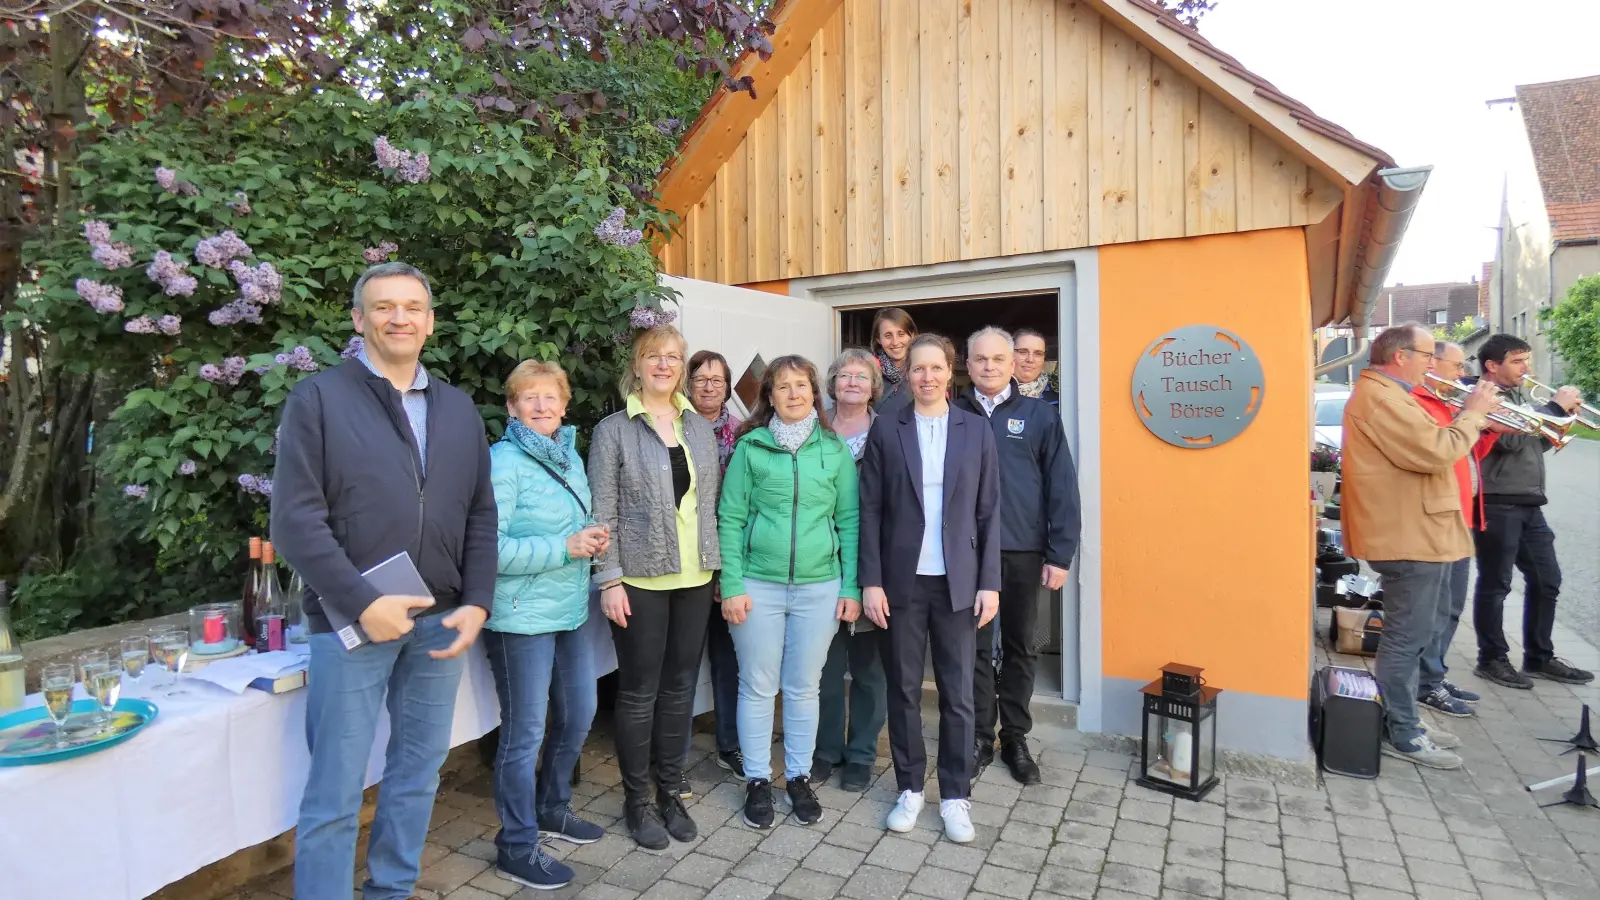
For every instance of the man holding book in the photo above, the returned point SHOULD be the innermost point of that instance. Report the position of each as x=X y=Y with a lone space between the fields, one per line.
x=378 y=462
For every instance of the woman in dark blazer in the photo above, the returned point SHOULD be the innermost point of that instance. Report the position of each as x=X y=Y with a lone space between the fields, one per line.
x=930 y=573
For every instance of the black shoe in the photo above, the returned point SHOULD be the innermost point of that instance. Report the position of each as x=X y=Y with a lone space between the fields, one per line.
x=821 y=769
x=803 y=801
x=684 y=792
x=536 y=870
x=733 y=761
x=1559 y=670
x=1500 y=672
x=643 y=825
x=679 y=825
x=1020 y=762
x=982 y=756
x=857 y=777
x=758 y=804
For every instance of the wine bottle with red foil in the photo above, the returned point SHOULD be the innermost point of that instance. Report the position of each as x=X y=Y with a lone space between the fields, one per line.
x=252 y=594
x=270 y=605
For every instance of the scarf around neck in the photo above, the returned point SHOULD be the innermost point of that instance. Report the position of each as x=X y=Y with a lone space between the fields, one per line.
x=1036 y=387
x=790 y=437
x=552 y=451
x=891 y=372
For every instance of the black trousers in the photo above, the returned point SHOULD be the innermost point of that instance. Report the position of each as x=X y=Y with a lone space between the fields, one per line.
x=1009 y=693
x=658 y=663
x=1516 y=537
x=918 y=623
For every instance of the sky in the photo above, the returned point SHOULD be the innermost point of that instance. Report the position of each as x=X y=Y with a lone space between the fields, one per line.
x=1413 y=77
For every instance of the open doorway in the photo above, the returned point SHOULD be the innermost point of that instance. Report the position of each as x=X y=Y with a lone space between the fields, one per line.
x=956 y=319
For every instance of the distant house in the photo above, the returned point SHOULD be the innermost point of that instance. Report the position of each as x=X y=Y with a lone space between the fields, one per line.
x=1442 y=305
x=1549 y=213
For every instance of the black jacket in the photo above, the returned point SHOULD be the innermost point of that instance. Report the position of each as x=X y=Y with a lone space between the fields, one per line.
x=1513 y=470
x=1038 y=483
x=892 y=507
x=348 y=492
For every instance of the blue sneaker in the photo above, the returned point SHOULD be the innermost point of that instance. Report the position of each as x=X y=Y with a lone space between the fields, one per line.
x=534 y=869
x=1439 y=700
x=563 y=823
x=1464 y=696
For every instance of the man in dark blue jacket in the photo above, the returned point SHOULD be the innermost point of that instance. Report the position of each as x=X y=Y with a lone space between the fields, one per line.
x=377 y=458
x=1040 y=525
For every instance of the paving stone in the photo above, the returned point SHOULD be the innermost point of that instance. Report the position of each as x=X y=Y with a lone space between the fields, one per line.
x=1004 y=882
x=700 y=870
x=1495 y=871
x=855 y=837
x=1442 y=874
x=602 y=891
x=765 y=868
x=1204 y=813
x=1251 y=830
x=1143 y=856
x=451 y=872
x=834 y=860
x=1017 y=856
x=940 y=884
x=1077 y=856
x=1311 y=829
x=792 y=841
x=806 y=884
x=1259 y=878
x=1306 y=807
x=1436 y=851
x=874 y=883
x=1087 y=835
x=491 y=881
x=639 y=870
x=965 y=859
x=1198 y=834
x=1145 y=811
x=602 y=854
x=1141 y=833
x=1377 y=851
x=1254 y=810
x=739 y=889
x=1084 y=812
x=898 y=853
x=1368 y=892
x=1301 y=892
x=1192 y=880
x=1180 y=853
x=1379 y=874
x=1254 y=852
x=1037 y=813
x=468 y=892
x=1356 y=826
x=1330 y=878
x=1028 y=835
x=1047 y=794
x=1131 y=879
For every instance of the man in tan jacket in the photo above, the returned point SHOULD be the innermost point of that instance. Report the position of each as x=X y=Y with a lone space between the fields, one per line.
x=1402 y=515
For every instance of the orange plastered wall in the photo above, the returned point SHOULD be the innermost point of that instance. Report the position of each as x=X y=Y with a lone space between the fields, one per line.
x=1207 y=554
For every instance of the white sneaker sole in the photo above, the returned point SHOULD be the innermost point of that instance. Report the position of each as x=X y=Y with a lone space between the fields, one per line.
x=523 y=881
x=899 y=829
x=1417 y=759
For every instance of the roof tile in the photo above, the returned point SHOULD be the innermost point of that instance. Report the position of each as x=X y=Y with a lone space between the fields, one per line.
x=1563 y=123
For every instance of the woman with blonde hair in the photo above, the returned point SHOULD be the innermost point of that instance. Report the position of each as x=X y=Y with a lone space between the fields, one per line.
x=788 y=528
x=656 y=477
x=543 y=670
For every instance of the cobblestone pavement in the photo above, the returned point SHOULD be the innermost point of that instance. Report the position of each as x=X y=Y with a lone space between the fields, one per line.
x=1090 y=832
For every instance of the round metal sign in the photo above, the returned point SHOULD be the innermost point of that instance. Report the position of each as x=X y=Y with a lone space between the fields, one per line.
x=1198 y=386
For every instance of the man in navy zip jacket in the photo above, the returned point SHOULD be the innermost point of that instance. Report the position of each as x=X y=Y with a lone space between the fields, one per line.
x=376 y=457
x=1040 y=526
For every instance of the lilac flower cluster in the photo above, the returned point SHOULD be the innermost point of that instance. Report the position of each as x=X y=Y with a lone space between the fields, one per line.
x=379 y=253
x=141 y=325
x=217 y=250
x=259 y=284
x=187 y=467
x=240 y=203
x=401 y=165
x=353 y=349
x=231 y=370
x=614 y=230
x=105 y=298
x=136 y=491
x=172 y=274
x=256 y=484
x=298 y=358
x=169 y=182
x=112 y=256
x=643 y=317
x=237 y=310
x=170 y=325
x=668 y=127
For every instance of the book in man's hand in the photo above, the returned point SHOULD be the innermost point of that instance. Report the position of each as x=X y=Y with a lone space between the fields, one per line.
x=395 y=575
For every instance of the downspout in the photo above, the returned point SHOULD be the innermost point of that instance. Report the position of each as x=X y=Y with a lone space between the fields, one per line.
x=1391 y=209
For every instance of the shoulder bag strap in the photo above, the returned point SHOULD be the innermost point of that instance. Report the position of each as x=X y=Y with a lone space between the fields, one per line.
x=563 y=482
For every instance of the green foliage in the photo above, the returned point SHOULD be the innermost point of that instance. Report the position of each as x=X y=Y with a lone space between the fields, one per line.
x=1574 y=329
x=503 y=219
x=1457 y=333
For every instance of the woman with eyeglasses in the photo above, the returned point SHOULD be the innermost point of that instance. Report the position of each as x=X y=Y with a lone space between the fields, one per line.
x=893 y=331
x=848 y=726
x=710 y=387
x=654 y=472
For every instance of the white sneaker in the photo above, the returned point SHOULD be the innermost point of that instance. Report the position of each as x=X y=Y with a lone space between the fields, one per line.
x=903 y=817
x=957 y=815
x=1444 y=740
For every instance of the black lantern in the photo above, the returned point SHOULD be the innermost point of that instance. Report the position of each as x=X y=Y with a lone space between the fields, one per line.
x=1178 y=748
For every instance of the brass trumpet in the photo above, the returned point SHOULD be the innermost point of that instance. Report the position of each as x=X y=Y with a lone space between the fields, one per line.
x=1538 y=392
x=1518 y=418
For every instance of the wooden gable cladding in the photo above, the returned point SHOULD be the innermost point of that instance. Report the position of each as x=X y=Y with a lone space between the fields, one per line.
x=912 y=133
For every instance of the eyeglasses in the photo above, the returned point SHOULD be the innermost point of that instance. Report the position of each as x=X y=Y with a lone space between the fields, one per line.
x=854 y=379
x=1031 y=353
x=671 y=359
x=709 y=381
x=1427 y=353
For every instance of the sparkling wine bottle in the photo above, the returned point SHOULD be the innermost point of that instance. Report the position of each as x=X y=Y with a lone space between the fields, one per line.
x=252 y=593
x=269 y=604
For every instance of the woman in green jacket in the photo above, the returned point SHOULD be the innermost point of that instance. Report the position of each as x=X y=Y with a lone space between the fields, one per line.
x=788 y=530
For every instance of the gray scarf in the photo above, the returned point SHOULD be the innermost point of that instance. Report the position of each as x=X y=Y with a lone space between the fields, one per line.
x=790 y=437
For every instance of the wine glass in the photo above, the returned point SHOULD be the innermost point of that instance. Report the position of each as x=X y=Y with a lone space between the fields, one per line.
x=90 y=663
x=56 y=681
x=135 y=656
x=172 y=649
x=107 y=690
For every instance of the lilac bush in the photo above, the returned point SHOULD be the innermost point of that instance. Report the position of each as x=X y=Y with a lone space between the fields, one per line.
x=401 y=165
x=139 y=325
x=218 y=250
x=614 y=231
x=172 y=274
x=104 y=298
x=136 y=491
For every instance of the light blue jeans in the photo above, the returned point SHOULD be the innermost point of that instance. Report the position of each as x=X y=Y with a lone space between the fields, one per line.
x=345 y=691
x=783 y=643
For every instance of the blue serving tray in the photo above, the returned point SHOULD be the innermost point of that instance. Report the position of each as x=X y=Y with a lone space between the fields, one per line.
x=27 y=736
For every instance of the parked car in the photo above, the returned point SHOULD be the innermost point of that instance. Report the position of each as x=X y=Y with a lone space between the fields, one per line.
x=1328 y=418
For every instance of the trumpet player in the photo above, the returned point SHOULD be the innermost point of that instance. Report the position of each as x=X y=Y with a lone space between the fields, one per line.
x=1403 y=515
x=1516 y=535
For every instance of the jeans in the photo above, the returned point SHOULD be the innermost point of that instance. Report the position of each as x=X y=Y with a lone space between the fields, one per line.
x=783 y=642
x=724 y=680
x=919 y=623
x=1416 y=597
x=658 y=663
x=1433 y=667
x=546 y=685
x=868 y=703
x=1005 y=696
x=1516 y=536
x=345 y=691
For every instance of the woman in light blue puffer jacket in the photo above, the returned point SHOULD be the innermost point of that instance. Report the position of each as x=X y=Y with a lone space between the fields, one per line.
x=542 y=668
